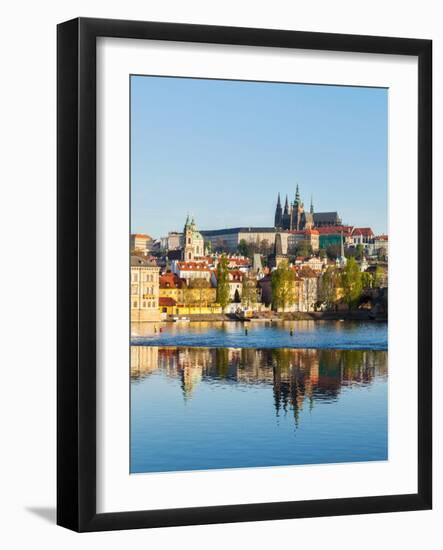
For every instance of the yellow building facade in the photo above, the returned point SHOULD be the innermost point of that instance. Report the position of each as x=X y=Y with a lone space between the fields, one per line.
x=144 y=290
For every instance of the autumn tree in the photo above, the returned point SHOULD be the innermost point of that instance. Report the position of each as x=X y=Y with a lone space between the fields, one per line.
x=329 y=284
x=283 y=286
x=249 y=291
x=200 y=291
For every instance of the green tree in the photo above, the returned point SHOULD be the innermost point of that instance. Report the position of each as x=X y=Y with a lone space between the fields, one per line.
x=367 y=280
x=333 y=251
x=243 y=248
x=265 y=247
x=351 y=282
x=223 y=282
x=359 y=250
x=303 y=249
x=378 y=276
x=249 y=291
x=283 y=286
x=329 y=283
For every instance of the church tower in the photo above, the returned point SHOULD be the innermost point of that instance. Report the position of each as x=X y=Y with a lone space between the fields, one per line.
x=297 y=214
x=188 y=248
x=277 y=257
x=309 y=217
x=278 y=214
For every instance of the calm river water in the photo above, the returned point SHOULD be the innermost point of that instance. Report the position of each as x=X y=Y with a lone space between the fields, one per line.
x=207 y=395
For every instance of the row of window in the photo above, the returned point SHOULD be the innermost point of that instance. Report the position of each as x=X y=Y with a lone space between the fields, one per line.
x=145 y=277
x=144 y=304
x=146 y=290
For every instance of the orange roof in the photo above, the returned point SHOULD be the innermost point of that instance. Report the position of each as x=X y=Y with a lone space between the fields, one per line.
x=141 y=236
x=382 y=237
x=170 y=280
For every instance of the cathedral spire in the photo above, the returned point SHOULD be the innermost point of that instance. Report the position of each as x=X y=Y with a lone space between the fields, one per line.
x=297 y=195
x=278 y=213
x=286 y=210
x=312 y=206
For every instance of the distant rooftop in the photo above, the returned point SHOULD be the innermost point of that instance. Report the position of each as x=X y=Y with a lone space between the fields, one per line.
x=233 y=230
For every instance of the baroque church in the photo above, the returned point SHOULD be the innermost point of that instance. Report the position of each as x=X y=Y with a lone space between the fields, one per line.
x=294 y=217
x=193 y=244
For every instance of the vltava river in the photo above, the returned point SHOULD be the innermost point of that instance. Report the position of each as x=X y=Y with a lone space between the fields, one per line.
x=257 y=400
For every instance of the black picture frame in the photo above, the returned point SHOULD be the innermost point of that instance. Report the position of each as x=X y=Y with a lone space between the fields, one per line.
x=76 y=281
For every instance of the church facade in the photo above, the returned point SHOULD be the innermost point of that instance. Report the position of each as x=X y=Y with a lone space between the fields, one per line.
x=193 y=242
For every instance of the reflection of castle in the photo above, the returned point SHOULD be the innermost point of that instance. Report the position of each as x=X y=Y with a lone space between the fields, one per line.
x=295 y=375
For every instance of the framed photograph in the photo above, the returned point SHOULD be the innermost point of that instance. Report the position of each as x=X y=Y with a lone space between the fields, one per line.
x=244 y=274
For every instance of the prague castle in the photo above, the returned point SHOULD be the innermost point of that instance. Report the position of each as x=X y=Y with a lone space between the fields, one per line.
x=293 y=217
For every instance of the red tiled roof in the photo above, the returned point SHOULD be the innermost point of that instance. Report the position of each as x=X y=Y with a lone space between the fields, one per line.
x=165 y=301
x=381 y=237
x=170 y=280
x=335 y=230
x=363 y=231
x=239 y=261
x=193 y=266
x=235 y=275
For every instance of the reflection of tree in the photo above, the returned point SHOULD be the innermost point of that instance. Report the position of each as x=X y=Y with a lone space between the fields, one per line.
x=294 y=375
x=222 y=362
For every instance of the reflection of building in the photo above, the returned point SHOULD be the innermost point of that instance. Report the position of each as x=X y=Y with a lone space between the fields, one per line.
x=144 y=359
x=144 y=290
x=296 y=376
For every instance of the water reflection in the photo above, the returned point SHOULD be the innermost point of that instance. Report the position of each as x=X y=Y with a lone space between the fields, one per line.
x=298 y=377
x=282 y=334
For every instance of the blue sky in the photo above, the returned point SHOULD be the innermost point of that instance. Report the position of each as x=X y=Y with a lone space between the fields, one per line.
x=222 y=150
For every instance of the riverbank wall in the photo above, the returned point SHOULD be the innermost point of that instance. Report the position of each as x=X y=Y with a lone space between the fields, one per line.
x=357 y=315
